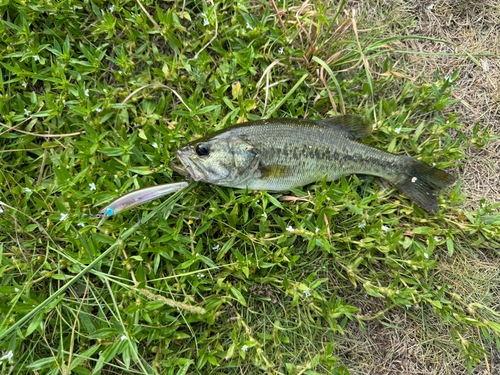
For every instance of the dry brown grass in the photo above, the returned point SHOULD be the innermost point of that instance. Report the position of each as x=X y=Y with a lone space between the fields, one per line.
x=417 y=341
x=421 y=343
x=473 y=27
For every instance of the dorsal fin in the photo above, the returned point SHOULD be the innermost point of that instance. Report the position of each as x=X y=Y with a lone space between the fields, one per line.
x=353 y=126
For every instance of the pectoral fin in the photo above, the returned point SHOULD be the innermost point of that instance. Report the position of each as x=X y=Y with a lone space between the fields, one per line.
x=352 y=126
x=275 y=171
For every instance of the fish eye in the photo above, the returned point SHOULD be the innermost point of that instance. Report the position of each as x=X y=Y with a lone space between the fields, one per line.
x=202 y=150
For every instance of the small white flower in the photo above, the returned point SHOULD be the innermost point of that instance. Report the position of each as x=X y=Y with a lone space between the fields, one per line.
x=397 y=130
x=385 y=228
x=216 y=247
x=116 y=190
x=116 y=176
x=64 y=102
x=63 y=216
x=436 y=238
x=290 y=229
x=92 y=186
x=98 y=109
x=447 y=121
x=27 y=190
x=200 y=276
x=16 y=290
x=197 y=254
x=264 y=215
x=244 y=348
x=407 y=306
x=447 y=78
x=144 y=237
x=36 y=58
x=86 y=92
x=397 y=291
x=8 y=356
x=112 y=8
x=249 y=26
x=123 y=338
x=161 y=165
x=100 y=352
x=307 y=293
x=1 y=210
x=26 y=112
x=104 y=90
x=154 y=144
x=81 y=225
x=24 y=84
x=362 y=225
x=120 y=72
x=317 y=229
x=280 y=50
x=430 y=7
x=257 y=201
x=426 y=255
x=433 y=164
x=205 y=19
x=483 y=205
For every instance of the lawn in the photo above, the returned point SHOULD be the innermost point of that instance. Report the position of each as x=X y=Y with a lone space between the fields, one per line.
x=345 y=277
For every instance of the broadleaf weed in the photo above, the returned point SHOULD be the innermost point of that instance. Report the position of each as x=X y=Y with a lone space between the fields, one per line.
x=253 y=278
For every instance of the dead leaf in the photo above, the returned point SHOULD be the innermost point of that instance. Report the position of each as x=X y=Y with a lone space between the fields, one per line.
x=328 y=228
x=395 y=74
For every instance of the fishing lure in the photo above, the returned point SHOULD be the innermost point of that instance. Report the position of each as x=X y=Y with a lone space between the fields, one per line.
x=137 y=197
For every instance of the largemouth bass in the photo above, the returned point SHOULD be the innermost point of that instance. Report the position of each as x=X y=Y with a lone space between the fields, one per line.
x=280 y=154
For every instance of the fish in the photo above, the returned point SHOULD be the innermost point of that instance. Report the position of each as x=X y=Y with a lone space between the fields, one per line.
x=279 y=154
x=137 y=197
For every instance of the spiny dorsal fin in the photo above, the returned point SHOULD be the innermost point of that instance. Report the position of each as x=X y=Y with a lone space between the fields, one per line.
x=275 y=171
x=353 y=126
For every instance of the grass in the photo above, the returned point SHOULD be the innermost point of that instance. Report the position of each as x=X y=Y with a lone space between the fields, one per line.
x=96 y=97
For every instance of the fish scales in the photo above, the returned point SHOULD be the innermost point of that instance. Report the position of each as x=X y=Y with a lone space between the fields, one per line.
x=311 y=152
x=280 y=154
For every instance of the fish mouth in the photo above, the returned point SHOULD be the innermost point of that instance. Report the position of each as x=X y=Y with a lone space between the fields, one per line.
x=188 y=167
x=175 y=166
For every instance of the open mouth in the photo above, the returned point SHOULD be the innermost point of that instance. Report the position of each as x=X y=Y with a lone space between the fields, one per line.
x=175 y=166
x=187 y=168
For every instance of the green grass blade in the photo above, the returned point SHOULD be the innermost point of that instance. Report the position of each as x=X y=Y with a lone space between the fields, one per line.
x=287 y=96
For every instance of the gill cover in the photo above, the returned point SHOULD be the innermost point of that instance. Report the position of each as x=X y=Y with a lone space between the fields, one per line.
x=223 y=159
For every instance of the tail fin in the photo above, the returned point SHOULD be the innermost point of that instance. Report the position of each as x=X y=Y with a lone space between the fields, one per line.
x=421 y=182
